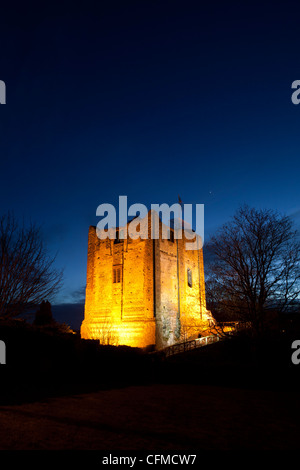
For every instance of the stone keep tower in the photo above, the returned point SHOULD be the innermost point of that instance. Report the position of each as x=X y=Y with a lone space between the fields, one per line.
x=143 y=292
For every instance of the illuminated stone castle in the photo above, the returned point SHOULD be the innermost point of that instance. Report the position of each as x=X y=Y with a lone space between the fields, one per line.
x=143 y=292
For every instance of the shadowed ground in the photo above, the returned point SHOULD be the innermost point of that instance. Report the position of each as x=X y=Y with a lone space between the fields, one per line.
x=160 y=417
x=60 y=392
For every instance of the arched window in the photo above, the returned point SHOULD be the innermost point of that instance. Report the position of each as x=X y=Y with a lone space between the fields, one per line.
x=189 y=277
x=117 y=273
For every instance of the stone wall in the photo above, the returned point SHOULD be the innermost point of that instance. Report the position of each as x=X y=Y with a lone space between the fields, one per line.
x=123 y=307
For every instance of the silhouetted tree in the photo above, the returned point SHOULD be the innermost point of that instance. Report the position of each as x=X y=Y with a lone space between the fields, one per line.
x=253 y=267
x=43 y=315
x=27 y=273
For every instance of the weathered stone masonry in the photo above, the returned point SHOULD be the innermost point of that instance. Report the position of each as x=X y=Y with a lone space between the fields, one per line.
x=144 y=292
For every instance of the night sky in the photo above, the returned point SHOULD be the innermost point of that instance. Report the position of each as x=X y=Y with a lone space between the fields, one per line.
x=148 y=99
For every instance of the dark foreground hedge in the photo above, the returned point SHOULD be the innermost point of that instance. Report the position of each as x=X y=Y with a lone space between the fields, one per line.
x=45 y=361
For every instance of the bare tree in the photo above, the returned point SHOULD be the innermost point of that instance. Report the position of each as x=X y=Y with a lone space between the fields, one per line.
x=27 y=273
x=191 y=328
x=107 y=334
x=253 y=267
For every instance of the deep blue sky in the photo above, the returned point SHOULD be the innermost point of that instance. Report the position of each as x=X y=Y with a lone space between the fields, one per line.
x=148 y=99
